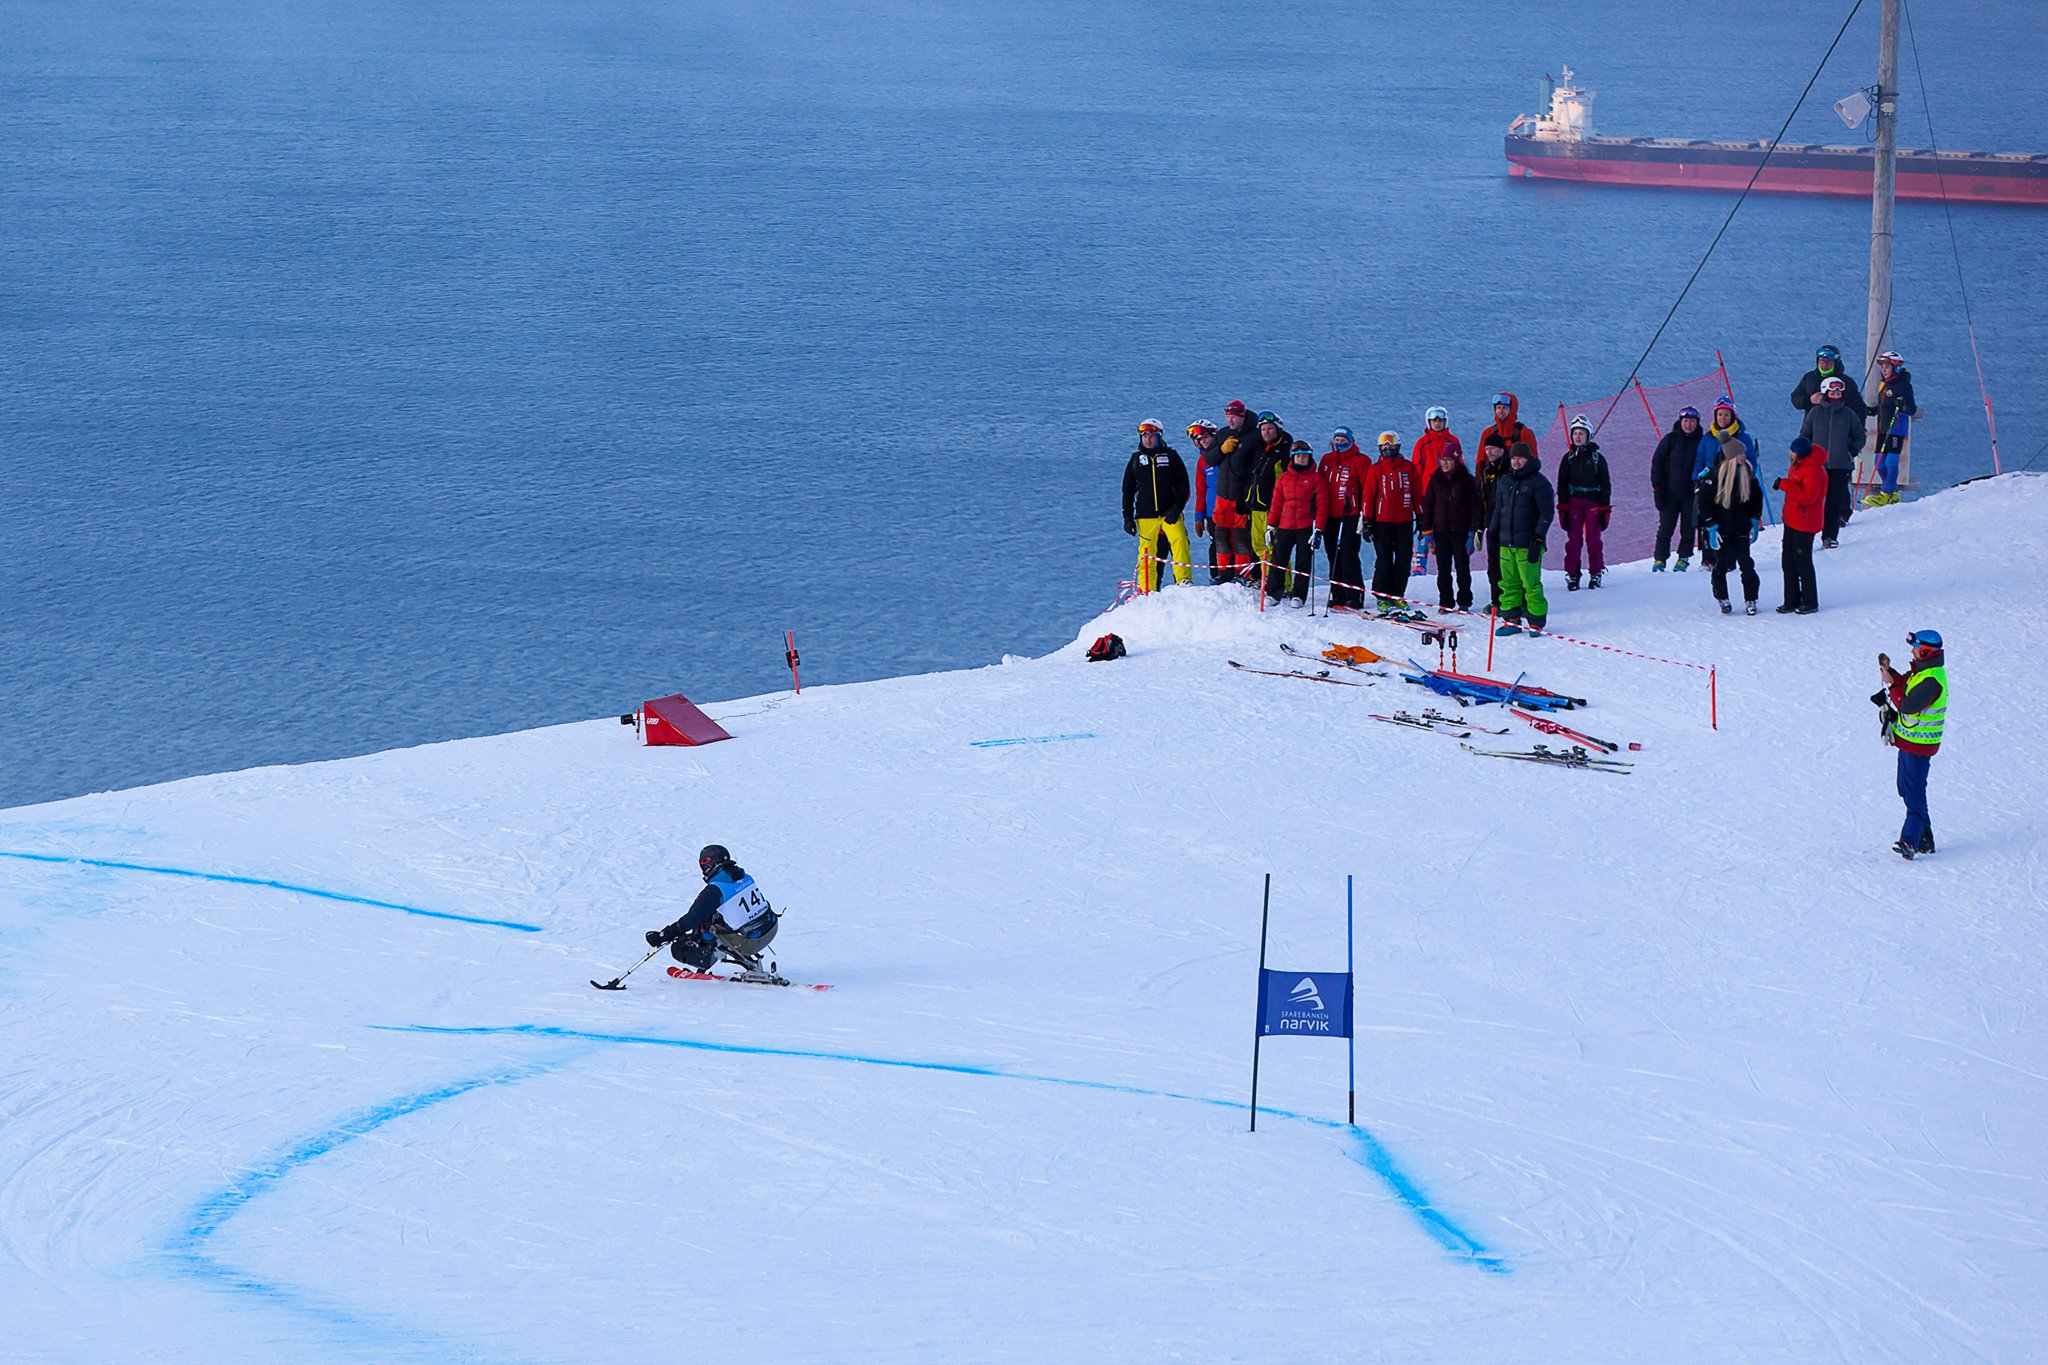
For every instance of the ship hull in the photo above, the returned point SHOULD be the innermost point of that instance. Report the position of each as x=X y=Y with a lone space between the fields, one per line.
x=1791 y=170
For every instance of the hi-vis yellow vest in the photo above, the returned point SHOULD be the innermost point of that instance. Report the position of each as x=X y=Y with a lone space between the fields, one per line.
x=1925 y=726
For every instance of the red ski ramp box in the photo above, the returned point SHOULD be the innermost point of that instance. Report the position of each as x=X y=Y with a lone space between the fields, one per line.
x=676 y=720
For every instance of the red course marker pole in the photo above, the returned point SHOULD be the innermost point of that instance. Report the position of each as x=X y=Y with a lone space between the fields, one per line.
x=789 y=654
x=1714 y=698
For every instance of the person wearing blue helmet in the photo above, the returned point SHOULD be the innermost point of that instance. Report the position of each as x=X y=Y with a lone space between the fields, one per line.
x=1918 y=700
x=1827 y=364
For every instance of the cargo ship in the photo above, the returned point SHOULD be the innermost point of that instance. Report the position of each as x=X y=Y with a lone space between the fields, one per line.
x=1560 y=145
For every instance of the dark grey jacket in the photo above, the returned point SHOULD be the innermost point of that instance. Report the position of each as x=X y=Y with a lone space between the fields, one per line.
x=1837 y=429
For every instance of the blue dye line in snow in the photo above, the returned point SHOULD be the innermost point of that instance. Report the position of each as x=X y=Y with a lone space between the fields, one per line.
x=232 y=880
x=189 y=1252
x=1370 y=1153
x=1029 y=739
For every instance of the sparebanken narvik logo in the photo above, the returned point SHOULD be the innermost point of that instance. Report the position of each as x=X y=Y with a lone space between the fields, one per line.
x=1304 y=995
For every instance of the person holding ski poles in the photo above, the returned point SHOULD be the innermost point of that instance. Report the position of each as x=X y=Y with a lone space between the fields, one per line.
x=1585 y=499
x=1301 y=504
x=1920 y=698
x=1346 y=471
x=1895 y=413
x=729 y=915
x=1155 y=495
x=1390 y=503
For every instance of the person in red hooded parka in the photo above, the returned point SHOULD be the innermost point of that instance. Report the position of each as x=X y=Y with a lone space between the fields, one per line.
x=1346 y=471
x=1301 y=503
x=1805 y=488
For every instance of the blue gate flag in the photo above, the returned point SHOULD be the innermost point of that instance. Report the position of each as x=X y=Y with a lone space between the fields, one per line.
x=1305 y=1004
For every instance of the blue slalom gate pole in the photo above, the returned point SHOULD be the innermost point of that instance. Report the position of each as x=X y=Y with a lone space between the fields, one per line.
x=1350 y=1013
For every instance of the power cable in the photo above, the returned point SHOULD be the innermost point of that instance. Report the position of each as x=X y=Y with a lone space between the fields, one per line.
x=1768 y=153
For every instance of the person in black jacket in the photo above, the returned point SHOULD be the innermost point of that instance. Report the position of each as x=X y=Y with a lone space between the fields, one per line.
x=1493 y=462
x=1241 y=452
x=1895 y=413
x=1155 y=495
x=730 y=915
x=1827 y=364
x=1671 y=484
x=1731 y=506
x=1585 y=498
x=1450 y=514
x=1523 y=508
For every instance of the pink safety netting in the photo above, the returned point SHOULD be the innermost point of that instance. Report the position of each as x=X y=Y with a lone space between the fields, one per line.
x=1628 y=438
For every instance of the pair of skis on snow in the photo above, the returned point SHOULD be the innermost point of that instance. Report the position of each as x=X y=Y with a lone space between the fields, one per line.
x=1438 y=724
x=1575 y=757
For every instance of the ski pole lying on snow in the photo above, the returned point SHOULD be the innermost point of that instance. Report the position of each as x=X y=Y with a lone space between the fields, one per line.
x=618 y=983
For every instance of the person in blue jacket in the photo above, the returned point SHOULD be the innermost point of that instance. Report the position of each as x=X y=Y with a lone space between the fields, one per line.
x=729 y=914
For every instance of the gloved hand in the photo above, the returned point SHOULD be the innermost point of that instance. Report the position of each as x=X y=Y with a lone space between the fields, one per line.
x=1606 y=513
x=1756 y=528
x=1130 y=527
x=655 y=938
x=1361 y=527
x=1269 y=537
x=1201 y=526
x=1778 y=484
x=1536 y=550
x=1315 y=540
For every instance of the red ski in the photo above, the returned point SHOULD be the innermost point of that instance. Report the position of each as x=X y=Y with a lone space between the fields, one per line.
x=1551 y=727
x=739 y=979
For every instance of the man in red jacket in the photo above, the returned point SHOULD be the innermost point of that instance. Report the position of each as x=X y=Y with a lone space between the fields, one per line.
x=1806 y=493
x=1508 y=426
x=1390 y=502
x=1345 y=472
x=1301 y=503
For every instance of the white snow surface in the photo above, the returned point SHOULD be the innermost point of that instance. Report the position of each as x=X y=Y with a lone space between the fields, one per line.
x=1677 y=1065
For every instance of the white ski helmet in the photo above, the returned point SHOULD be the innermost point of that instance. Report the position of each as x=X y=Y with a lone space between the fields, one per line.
x=1437 y=415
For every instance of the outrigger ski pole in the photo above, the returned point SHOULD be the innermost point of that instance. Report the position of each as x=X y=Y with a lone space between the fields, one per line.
x=618 y=983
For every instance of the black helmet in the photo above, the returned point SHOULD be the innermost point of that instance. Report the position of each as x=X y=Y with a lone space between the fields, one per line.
x=711 y=858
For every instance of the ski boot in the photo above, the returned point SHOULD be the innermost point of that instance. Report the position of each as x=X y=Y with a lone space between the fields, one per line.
x=1508 y=627
x=1656 y=566
x=1749 y=607
x=1683 y=564
x=1727 y=607
x=1904 y=849
x=1536 y=625
x=1594 y=581
x=1829 y=544
x=1571 y=582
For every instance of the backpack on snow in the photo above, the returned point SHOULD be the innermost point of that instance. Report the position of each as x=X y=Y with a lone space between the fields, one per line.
x=1108 y=647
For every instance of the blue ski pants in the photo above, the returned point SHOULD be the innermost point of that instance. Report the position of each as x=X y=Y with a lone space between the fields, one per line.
x=1913 y=791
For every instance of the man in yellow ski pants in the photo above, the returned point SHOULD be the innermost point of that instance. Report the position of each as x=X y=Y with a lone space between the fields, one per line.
x=1155 y=496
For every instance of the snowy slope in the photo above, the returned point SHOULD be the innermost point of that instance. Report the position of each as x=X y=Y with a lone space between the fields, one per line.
x=1677 y=1065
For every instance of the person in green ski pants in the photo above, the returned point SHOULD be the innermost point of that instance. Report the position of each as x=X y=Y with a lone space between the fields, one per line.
x=1523 y=508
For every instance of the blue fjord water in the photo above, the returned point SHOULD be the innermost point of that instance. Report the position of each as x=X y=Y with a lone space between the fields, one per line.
x=376 y=373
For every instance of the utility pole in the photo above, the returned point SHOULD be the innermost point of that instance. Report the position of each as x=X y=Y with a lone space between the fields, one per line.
x=1886 y=165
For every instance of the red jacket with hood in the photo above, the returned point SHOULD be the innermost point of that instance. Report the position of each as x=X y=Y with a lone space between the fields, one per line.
x=1512 y=430
x=1806 y=491
x=1429 y=448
